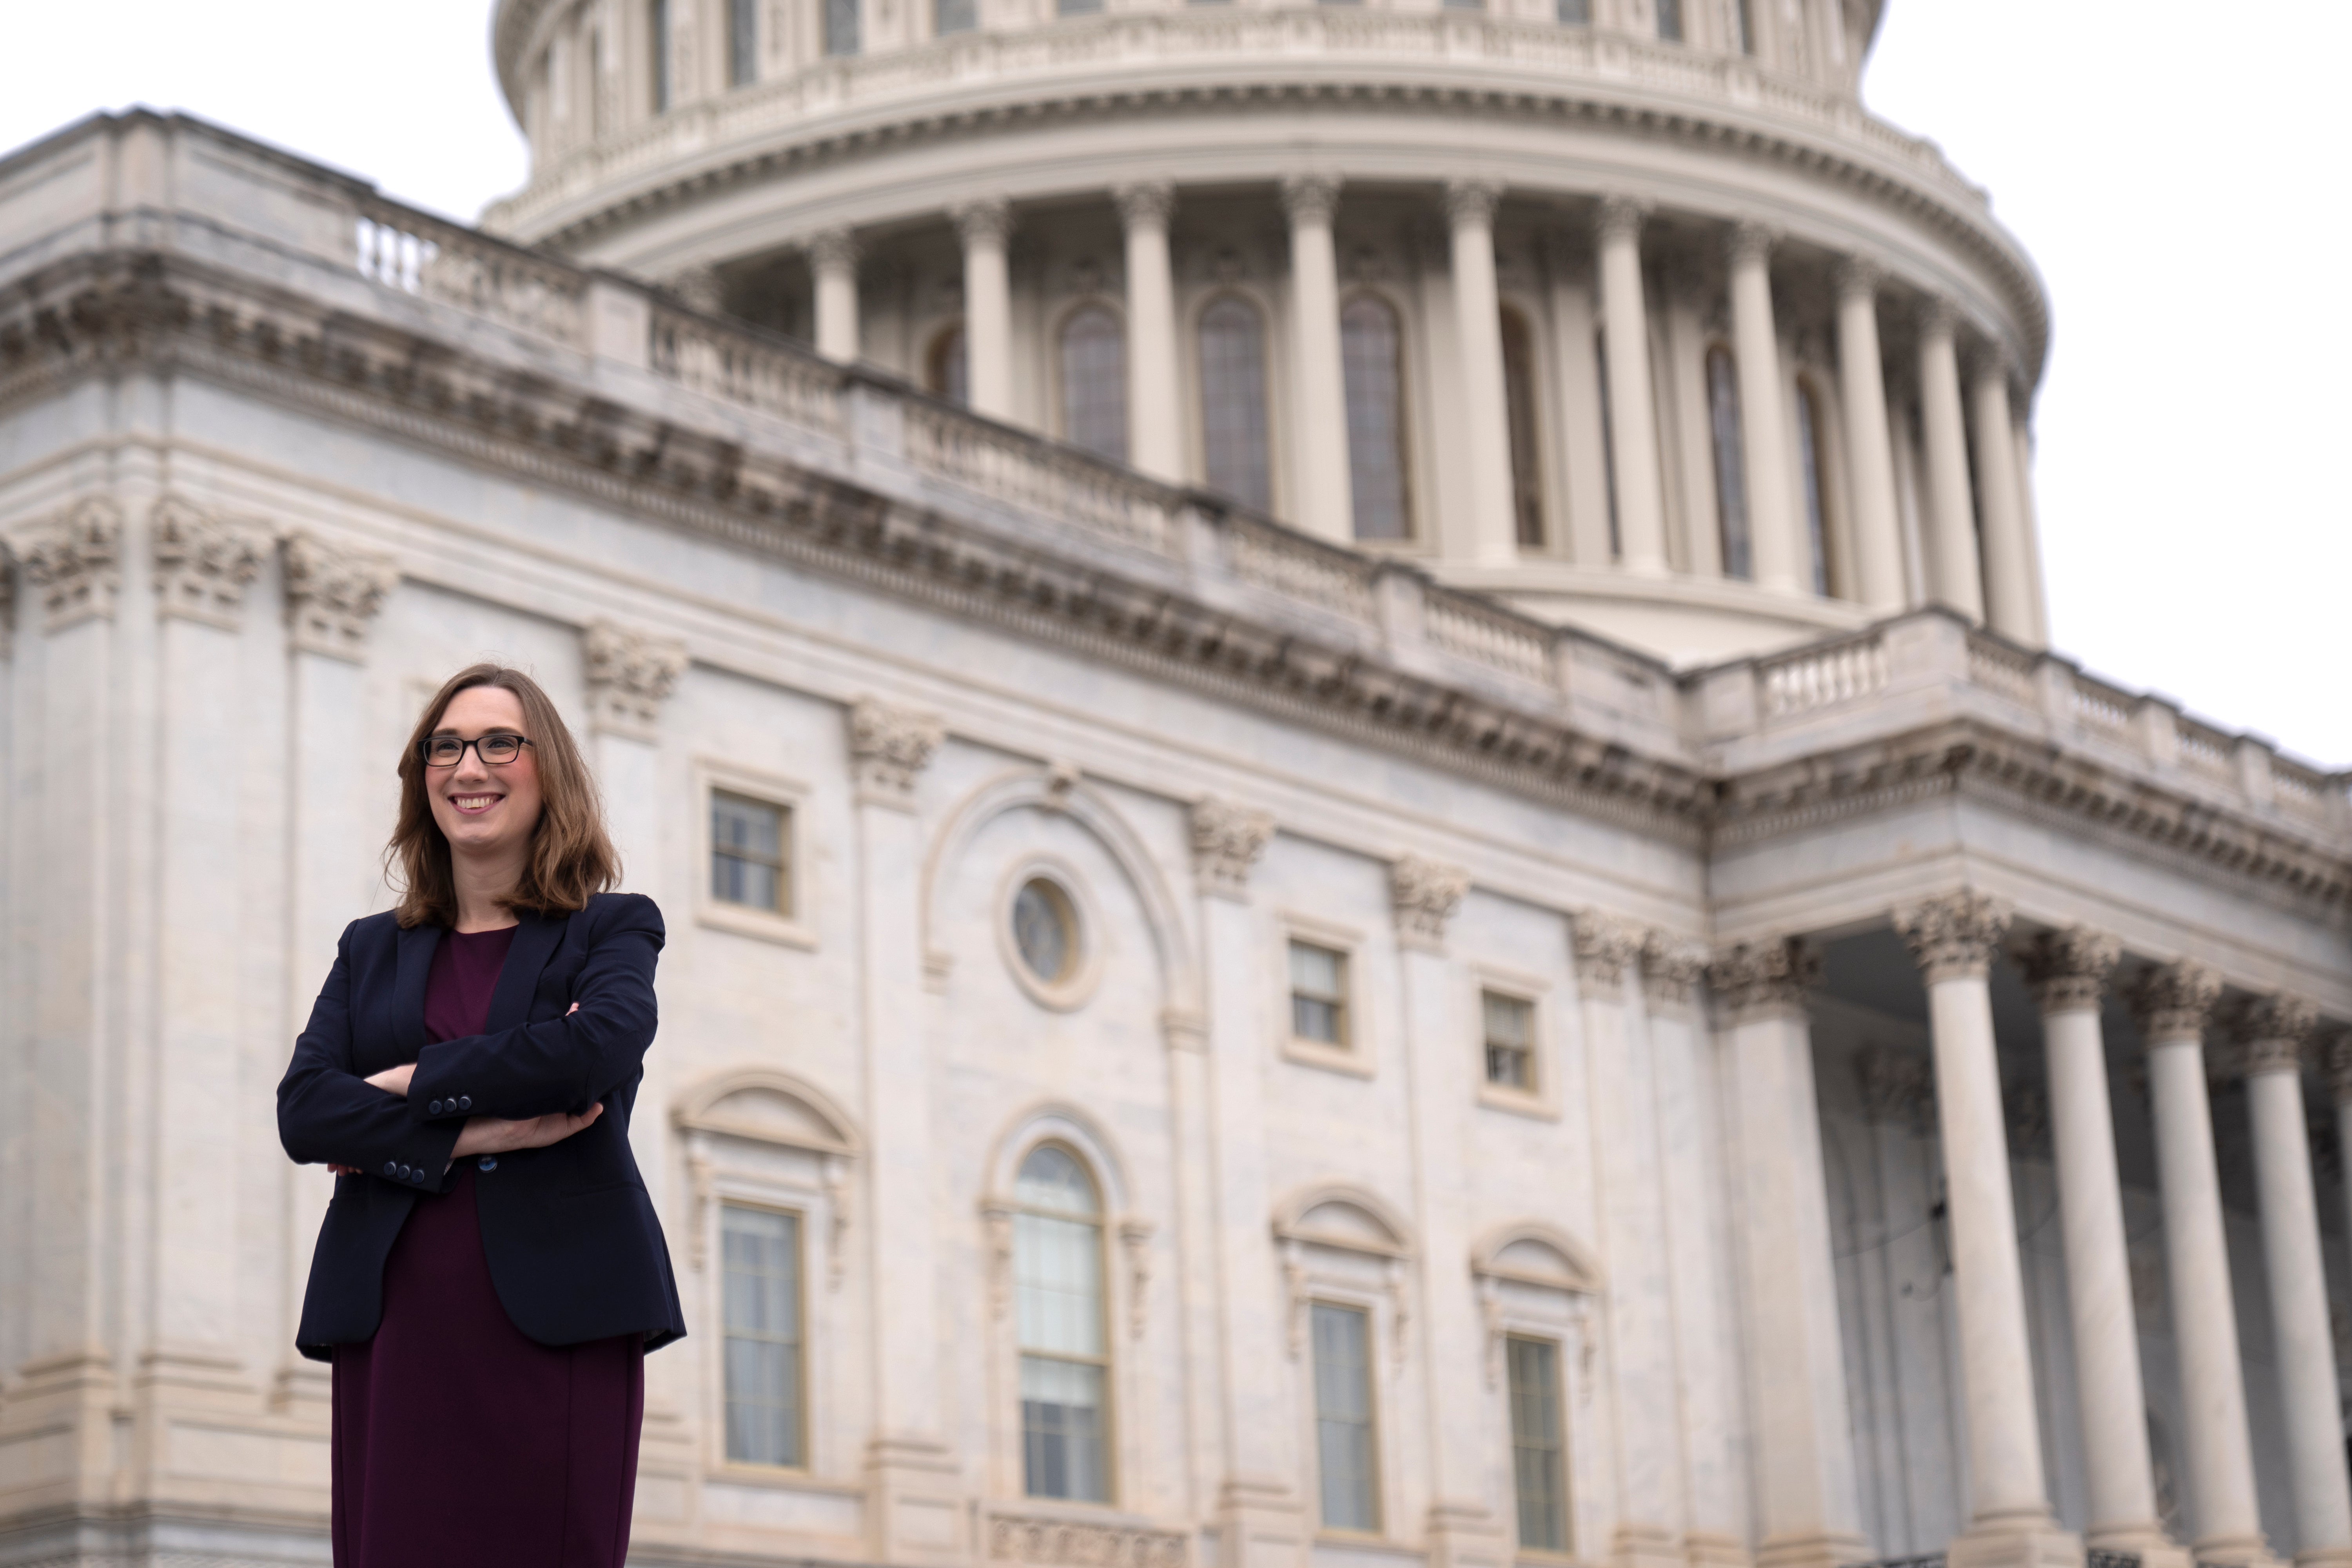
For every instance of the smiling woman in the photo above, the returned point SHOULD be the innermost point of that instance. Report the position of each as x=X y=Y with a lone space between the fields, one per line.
x=487 y=1323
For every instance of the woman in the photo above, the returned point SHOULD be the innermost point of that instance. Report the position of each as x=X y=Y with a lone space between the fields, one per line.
x=490 y=1273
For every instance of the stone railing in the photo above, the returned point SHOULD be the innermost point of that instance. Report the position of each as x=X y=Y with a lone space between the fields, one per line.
x=1488 y=634
x=1035 y=474
x=419 y=254
x=733 y=365
x=1268 y=556
x=1823 y=677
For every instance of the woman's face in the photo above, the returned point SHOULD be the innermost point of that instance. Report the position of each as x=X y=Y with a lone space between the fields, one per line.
x=486 y=813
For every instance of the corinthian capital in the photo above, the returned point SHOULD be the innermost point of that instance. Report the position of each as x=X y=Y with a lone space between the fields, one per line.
x=985 y=220
x=332 y=593
x=2068 y=968
x=1606 y=945
x=203 y=562
x=75 y=559
x=889 y=748
x=2271 y=1033
x=1145 y=204
x=2173 y=1001
x=833 y=250
x=630 y=675
x=1859 y=277
x=1227 y=839
x=1425 y=893
x=1310 y=198
x=1749 y=243
x=1954 y=935
x=1672 y=969
x=1765 y=979
x=1472 y=201
x=1620 y=217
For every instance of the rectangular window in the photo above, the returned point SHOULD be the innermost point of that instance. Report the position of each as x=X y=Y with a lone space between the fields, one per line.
x=1539 y=1469
x=657 y=31
x=1670 y=20
x=743 y=42
x=748 y=860
x=1057 y=1269
x=762 y=1249
x=1746 y=27
x=1575 y=12
x=954 y=16
x=1510 y=1023
x=1343 y=1418
x=1319 y=994
x=841 y=27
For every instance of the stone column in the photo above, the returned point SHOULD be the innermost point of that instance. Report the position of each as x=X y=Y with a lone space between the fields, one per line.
x=1461 y=1531
x=1870 y=447
x=1782 y=553
x=2173 y=1002
x=1582 y=442
x=1484 y=420
x=914 y=1507
x=2272 y=1032
x=1632 y=1219
x=1261 y=1523
x=1321 y=480
x=985 y=226
x=2008 y=564
x=1808 y=1509
x=1632 y=410
x=2022 y=447
x=1953 y=576
x=833 y=263
x=1155 y=428
x=2068 y=971
x=2010 y=1521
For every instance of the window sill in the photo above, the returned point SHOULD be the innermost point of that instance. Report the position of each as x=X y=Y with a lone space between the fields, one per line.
x=1331 y=1058
x=1518 y=1102
x=742 y=920
x=784 y=1477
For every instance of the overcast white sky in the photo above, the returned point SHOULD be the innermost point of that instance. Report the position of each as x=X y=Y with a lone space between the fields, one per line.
x=2179 y=170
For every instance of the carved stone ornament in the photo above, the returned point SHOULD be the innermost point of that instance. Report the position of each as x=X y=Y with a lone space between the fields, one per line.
x=1619 y=218
x=2339 y=1070
x=1606 y=946
x=1135 y=1243
x=699 y=289
x=1765 y=979
x=2068 y=968
x=1749 y=242
x=1426 y=893
x=332 y=593
x=833 y=250
x=1081 y=1544
x=1227 y=840
x=1310 y=198
x=1859 y=277
x=889 y=748
x=1954 y=935
x=2271 y=1033
x=203 y=562
x=1146 y=204
x=987 y=220
x=1898 y=1088
x=2173 y=1001
x=1671 y=969
x=630 y=674
x=75 y=559
x=1469 y=201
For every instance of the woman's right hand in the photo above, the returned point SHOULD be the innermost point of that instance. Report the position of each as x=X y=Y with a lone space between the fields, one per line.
x=496 y=1135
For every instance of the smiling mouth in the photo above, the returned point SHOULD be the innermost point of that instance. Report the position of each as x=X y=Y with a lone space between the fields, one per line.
x=474 y=804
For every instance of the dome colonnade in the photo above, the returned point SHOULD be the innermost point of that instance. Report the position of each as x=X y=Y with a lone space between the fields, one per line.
x=1363 y=269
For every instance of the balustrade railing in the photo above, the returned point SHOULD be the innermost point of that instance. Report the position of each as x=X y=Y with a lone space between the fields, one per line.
x=1287 y=562
x=415 y=253
x=2000 y=667
x=1486 y=634
x=1028 y=471
x=734 y=366
x=1819 y=677
x=2204 y=748
x=2100 y=706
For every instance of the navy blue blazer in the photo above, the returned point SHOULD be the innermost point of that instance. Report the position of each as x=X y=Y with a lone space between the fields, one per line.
x=573 y=1245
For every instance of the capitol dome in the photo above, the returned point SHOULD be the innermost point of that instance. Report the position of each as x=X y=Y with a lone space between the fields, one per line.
x=1362 y=268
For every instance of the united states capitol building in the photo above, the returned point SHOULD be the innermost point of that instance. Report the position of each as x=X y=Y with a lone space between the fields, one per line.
x=1372 y=856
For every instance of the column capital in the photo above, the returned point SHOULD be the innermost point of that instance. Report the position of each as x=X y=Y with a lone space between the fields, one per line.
x=1606 y=945
x=2068 y=970
x=333 y=591
x=1954 y=935
x=1749 y=241
x=1227 y=839
x=1938 y=318
x=1672 y=968
x=889 y=749
x=1620 y=217
x=1860 y=278
x=1472 y=200
x=1765 y=979
x=203 y=562
x=834 y=249
x=630 y=673
x=2173 y=1001
x=1310 y=197
x=75 y=559
x=1145 y=204
x=1426 y=894
x=2271 y=1033
x=985 y=220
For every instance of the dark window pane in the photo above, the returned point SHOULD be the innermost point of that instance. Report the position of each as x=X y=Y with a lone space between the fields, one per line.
x=954 y=16
x=657 y=31
x=743 y=42
x=1371 y=346
x=1233 y=400
x=1670 y=20
x=1575 y=12
x=841 y=27
x=1511 y=1040
x=760 y=1282
x=944 y=368
x=1608 y=441
x=748 y=864
x=1730 y=464
x=1538 y=1473
x=1343 y=1418
x=1094 y=382
x=1319 y=994
x=1519 y=410
x=1808 y=465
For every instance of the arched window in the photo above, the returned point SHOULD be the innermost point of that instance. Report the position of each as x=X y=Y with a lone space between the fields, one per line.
x=1520 y=414
x=1094 y=382
x=1371 y=355
x=657 y=32
x=841 y=27
x=1574 y=13
x=1670 y=20
x=1730 y=462
x=1808 y=465
x=1744 y=24
x=1232 y=400
x=1058 y=1271
x=944 y=372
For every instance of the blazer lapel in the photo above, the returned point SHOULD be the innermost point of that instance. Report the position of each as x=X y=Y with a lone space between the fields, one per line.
x=413 y=964
x=535 y=939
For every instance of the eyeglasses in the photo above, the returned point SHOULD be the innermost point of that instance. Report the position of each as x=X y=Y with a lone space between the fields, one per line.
x=448 y=751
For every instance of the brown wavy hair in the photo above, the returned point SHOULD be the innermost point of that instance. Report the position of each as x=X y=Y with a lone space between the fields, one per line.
x=572 y=856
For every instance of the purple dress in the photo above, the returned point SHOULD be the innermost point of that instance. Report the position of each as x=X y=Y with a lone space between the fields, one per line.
x=458 y=1442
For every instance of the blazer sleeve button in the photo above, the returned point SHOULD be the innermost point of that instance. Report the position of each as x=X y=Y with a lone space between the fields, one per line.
x=391 y=1167
x=465 y=1102
x=434 y=1109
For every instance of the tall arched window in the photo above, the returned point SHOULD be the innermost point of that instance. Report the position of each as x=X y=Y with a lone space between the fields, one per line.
x=657 y=57
x=944 y=373
x=1371 y=355
x=1094 y=382
x=1730 y=462
x=1670 y=20
x=1808 y=465
x=1058 y=1271
x=1744 y=24
x=1520 y=414
x=743 y=42
x=1232 y=400
x=841 y=27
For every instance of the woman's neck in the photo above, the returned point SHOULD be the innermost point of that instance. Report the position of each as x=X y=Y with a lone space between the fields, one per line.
x=479 y=885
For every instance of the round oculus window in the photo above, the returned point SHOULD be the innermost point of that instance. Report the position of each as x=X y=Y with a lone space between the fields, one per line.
x=1045 y=930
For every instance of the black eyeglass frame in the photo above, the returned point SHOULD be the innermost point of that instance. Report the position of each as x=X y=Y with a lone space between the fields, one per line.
x=424 y=748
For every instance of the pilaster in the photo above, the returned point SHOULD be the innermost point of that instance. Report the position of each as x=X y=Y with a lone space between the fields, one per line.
x=1154 y=426
x=1320 y=475
x=985 y=225
x=1482 y=418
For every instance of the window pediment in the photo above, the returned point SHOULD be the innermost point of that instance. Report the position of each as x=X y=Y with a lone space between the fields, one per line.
x=767 y=1106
